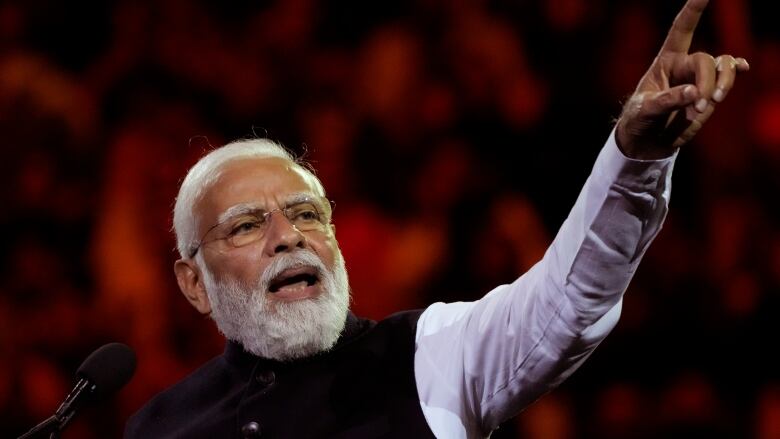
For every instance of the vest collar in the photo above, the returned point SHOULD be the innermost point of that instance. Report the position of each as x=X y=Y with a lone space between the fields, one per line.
x=236 y=356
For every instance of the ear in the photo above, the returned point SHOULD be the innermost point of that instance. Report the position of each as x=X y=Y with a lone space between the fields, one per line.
x=191 y=284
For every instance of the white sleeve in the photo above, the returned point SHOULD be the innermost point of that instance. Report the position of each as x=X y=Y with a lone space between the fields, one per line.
x=478 y=363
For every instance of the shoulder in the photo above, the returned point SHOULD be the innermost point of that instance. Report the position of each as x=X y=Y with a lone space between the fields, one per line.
x=401 y=324
x=359 y=332
x=402 y=319
x=392 y=336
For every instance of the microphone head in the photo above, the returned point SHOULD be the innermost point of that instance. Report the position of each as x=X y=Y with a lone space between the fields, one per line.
x=110 y=367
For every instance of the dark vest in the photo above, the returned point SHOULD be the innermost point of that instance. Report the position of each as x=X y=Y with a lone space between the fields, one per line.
x=363 y=388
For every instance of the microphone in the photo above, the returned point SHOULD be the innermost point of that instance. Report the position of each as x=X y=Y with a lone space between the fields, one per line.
x=104 y=372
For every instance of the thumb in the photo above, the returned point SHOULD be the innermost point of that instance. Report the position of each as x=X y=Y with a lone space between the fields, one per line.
x=661 y=104
x=652 y=121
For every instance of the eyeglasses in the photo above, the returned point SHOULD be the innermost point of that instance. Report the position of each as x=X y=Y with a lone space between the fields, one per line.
x=250 y=225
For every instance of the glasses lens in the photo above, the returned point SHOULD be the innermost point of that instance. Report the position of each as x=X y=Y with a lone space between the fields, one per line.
x=245 y=230
x=305 y=216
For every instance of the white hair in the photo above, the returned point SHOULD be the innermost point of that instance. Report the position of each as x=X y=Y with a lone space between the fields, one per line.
x=207 y=170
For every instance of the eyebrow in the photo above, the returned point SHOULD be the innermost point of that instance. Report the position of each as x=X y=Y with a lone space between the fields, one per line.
x=244 y=208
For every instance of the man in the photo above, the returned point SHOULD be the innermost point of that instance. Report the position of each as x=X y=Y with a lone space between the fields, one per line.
x=259 y=255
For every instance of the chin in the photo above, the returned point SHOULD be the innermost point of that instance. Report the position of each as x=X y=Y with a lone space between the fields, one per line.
x=278 y=327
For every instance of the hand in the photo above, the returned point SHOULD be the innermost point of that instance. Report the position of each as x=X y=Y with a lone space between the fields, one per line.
x=677 y=94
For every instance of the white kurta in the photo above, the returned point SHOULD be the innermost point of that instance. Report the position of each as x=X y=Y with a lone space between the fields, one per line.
x=479 y=363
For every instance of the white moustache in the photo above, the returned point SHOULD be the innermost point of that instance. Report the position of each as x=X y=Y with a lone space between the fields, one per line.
x=295 y=259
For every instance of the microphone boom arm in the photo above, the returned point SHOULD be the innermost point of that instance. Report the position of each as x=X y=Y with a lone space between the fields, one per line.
x=53 y=425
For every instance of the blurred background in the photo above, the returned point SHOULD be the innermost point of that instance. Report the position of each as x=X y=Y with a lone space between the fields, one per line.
x=453 y=136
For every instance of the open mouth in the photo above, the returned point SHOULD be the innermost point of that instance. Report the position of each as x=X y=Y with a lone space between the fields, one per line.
x=300 y=277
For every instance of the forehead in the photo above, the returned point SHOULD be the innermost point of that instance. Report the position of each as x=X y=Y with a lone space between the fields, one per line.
x=265 y=181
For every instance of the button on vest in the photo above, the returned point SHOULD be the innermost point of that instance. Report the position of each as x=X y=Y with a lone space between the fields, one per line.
x=265 y=378
x=251 y=430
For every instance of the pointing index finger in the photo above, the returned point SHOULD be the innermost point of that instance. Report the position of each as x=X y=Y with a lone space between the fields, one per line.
x=681 y=34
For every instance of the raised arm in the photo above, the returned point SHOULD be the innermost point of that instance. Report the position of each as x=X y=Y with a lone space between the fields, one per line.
x=479 y=363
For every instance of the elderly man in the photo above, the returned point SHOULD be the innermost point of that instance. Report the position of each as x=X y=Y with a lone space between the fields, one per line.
x=259 y=255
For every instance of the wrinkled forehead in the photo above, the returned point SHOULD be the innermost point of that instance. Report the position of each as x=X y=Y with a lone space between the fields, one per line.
x=268 y=182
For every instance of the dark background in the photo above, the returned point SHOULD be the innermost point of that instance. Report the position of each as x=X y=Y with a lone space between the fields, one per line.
x=453 y=136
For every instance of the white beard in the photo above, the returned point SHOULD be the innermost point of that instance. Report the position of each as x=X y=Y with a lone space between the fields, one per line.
x=276 y=329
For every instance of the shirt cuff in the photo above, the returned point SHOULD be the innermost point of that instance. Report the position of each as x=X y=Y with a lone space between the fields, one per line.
x=639 y=175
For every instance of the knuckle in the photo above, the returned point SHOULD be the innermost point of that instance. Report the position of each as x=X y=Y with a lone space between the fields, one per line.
x=725 y=62
x=703 y=57
x=665 y=99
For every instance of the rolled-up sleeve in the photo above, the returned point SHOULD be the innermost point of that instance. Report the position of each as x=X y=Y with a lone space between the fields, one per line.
x=479 y=363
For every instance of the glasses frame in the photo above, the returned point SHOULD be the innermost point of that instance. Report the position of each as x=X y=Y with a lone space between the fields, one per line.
x=266 y=215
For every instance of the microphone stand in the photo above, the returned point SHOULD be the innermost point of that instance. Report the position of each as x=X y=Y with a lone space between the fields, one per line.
x=54 y=425
x=50 y=427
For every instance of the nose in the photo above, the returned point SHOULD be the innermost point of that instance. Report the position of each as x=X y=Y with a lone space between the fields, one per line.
x=282 y=236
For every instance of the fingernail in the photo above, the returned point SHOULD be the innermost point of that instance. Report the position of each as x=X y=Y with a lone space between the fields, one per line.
x=701 y=105
x=689 y=92
x=718 y=95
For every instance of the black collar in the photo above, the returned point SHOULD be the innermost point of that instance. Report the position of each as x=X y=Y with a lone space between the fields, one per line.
x=236 y=356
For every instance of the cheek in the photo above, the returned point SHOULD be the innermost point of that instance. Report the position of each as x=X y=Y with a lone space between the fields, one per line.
x=242 y=265
x=326 y=248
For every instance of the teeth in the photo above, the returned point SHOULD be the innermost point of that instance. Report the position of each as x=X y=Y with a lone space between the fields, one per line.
x=297 y=285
